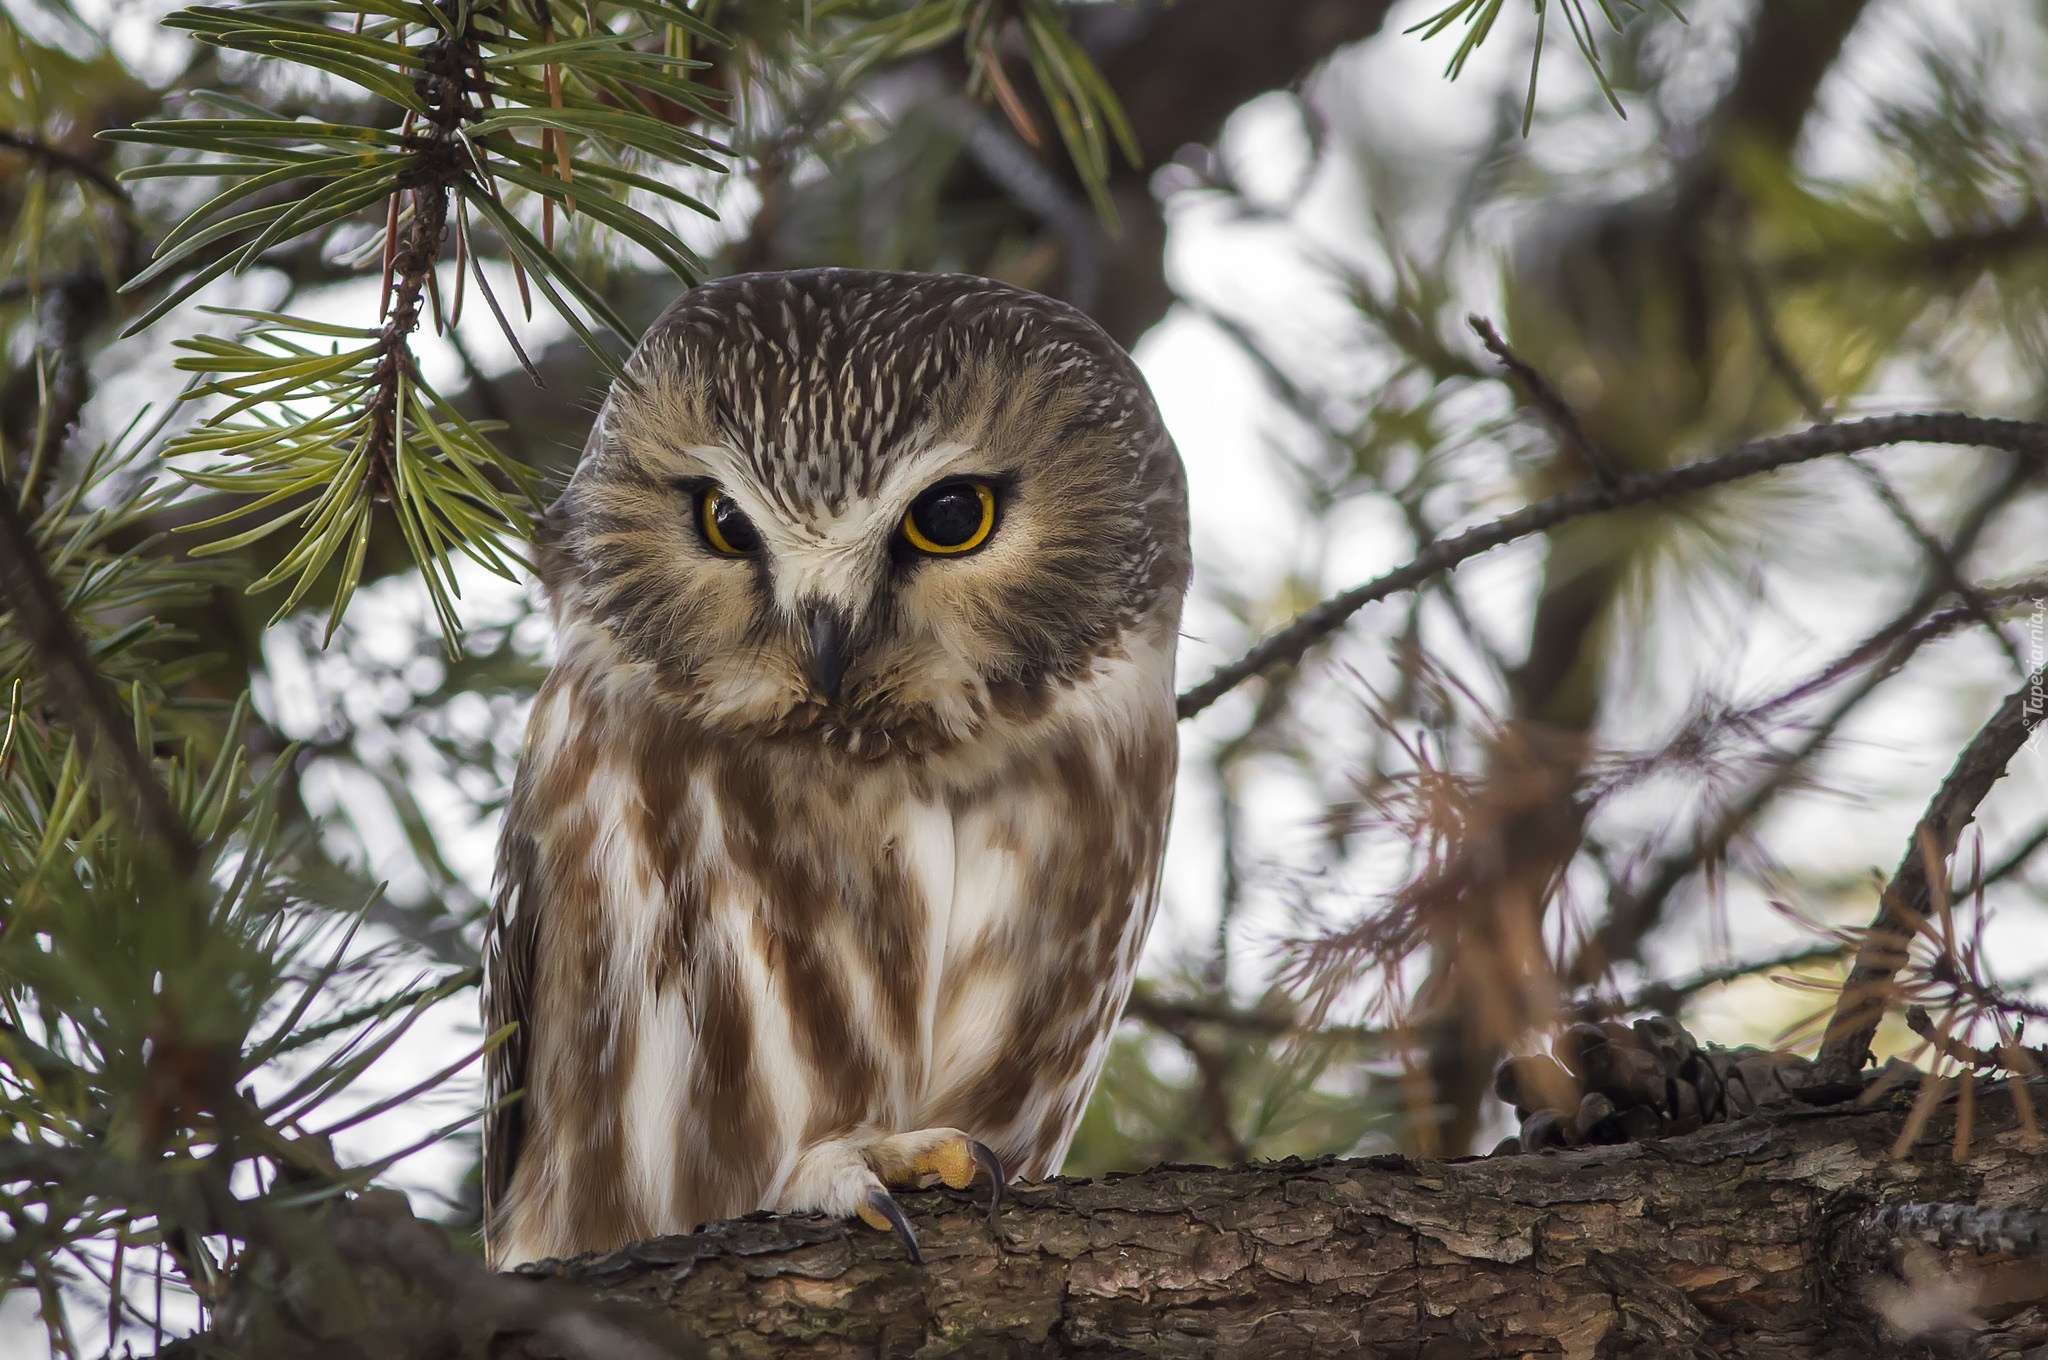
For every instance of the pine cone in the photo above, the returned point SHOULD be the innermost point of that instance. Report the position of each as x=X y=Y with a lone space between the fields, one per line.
x=1616 y=1083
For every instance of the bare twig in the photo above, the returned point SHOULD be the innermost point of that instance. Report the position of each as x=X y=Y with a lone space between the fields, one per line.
x=1290 y=643
x=2004 y=1057
x=1906 y=900
x=1148 y=1007
x=1634 y=911
x=1939 y=558
x=1017 y=170
x=2017 y=859
x=1547 y=399
x=1668 y=998
x=1757 y=296
x=1212 y=1071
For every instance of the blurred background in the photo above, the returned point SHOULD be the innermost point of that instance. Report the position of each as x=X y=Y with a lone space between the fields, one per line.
x=1651 y=760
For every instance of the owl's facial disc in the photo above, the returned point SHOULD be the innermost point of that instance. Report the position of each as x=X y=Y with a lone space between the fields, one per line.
x=837 y=587
x=878 y=512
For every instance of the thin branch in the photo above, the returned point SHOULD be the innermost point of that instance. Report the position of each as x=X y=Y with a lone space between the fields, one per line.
x=1939 y=558
x=1298 y=400
x=1020 y=174
x=63 y=382
x=75 y=686
x=1990 y=1059
x=1633 y=913
x=1148 y=1007
x=1668 y=998
x=449 y=64
x=1212 y=1072
x=1547 y=399
x=35 y=147
x=1756 y=294
x=1290 y=643
x=2015 y=861
x=1905 y=903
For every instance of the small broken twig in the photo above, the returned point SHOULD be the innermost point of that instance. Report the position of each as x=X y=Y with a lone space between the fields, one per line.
x=1547 y=399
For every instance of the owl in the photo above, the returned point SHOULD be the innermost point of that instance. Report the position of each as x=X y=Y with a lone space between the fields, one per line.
x=838 y=827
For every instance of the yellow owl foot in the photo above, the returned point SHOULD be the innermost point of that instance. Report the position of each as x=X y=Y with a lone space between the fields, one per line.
x=905 y=1160
x=908 y=1160
x=850 y=1176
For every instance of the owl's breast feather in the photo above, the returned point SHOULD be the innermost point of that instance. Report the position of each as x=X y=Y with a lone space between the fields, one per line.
x=737 y=950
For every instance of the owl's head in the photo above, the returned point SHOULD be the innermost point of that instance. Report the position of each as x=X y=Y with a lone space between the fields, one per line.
x=873 y=510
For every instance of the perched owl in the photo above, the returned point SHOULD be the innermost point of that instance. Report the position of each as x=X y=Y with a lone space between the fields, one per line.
x=838 y=829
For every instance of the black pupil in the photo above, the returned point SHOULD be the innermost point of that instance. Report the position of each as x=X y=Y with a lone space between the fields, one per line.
x=733 y=525
x=948 y=515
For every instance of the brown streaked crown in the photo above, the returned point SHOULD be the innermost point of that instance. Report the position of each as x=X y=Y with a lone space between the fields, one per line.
x=823 y=401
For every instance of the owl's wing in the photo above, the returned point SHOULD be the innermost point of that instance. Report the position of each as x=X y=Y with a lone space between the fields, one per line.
x=507 y=996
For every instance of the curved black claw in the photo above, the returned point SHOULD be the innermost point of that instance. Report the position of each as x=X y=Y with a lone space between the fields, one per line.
x=985 y=1158
x=884 y=1203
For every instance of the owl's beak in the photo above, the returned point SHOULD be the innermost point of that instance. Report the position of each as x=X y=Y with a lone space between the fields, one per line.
x=829 y=650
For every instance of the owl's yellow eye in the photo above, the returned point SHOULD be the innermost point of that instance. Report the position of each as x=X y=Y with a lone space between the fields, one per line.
x=725 y=526
x=951 y=518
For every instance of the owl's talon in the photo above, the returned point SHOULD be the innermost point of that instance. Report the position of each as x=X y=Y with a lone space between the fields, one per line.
x=985 y=1158
x=882 y=1211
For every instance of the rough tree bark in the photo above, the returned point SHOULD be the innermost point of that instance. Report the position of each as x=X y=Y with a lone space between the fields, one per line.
x=1784 y=1235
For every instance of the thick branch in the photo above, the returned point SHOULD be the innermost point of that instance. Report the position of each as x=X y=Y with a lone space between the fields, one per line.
x=1907 y=900
x=1723 y=1242
x=1291 y=643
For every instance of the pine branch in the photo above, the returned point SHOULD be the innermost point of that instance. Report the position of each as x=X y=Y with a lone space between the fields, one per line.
x=451 y=65
x=74 y=685
x=1289 y=644
x=2024 y=1062
x=1906 y=904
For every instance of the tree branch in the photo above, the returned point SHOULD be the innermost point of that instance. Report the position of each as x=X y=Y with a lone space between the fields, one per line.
x=1716 y=1243
x=1290 y=643
x=1668 y=998
x=38 y=149
x=448 y=67
x=2014 y=861
x=1904 y=907
x=1541 y=394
